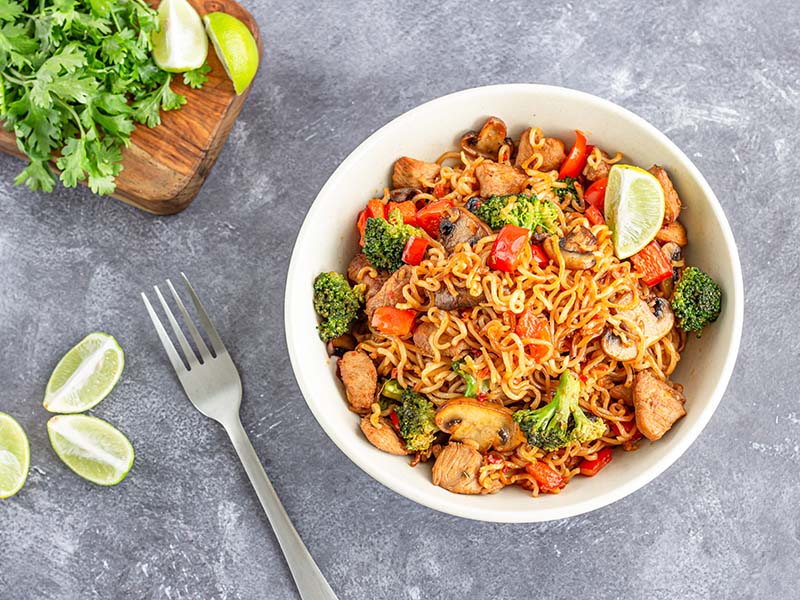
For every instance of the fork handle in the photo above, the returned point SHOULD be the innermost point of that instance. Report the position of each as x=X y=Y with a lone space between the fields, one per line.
x=309 y=579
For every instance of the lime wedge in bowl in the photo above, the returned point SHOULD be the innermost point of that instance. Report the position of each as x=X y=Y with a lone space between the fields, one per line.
x=86 y=374
x=634 y=208
x=180 y=44
x=15 y=456
x=235 y=46
x=91 y=447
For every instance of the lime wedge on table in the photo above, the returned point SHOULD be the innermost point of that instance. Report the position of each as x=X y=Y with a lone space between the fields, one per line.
x=634 y=208
x=94 y=449
x=235 y=46
x=15 y=456
x=86 y=374
x=180 y=44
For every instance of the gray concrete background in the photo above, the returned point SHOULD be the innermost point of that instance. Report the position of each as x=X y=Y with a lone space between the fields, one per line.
x=722 y=79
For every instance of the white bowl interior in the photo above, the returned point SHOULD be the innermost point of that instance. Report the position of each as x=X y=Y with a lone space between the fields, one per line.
x=328 y=240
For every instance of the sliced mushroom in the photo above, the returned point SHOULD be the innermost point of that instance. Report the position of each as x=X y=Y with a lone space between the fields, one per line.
x=488 y=141
x=360 y=379
x=576 y=248
x=482 y=424
x=403 y=194
x=340 y=345
x=674 y=254
x=655 y=324
x=657 y=405
x=384 y=437
x=445 y=300
x=409 y=172
x=456 y=469
x=458 y=225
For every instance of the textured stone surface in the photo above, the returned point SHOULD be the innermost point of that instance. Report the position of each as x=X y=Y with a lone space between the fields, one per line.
x=722 y=79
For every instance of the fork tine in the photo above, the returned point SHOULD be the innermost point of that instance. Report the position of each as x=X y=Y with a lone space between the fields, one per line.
x=216 y=341
x=172 y=353
x=198 y=340
x=187 y=349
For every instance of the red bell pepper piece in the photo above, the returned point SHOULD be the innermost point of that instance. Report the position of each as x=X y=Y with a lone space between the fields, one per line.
x=623 y=428
x=539 y=255
x=429 y=217
x=408 y=209
x=590 y=468
x=548 y=479
x=594 y=216
x=415 y=249
x=652 y=263
x=494 y=460
x=440 y=189
x=507 y=248
x=531 y=326
x=596 y=194
x=573 y=164
x=393 y=321
x=394 y=419
x=361 y=224
x=376 y=209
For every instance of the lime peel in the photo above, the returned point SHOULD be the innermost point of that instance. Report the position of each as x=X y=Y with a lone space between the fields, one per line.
x=235 y=46
x=634 y=208
x=94 y=449
x=15 y=456
x=85 y=375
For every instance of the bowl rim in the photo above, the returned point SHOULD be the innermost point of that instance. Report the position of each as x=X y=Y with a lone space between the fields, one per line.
x=629 y=486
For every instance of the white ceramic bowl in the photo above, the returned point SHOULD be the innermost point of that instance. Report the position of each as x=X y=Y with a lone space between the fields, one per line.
x=328 y=240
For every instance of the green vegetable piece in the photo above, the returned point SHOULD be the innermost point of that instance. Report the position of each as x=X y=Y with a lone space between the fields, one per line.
x=520 y=210
x=336 y=303
x=474 y=386
x=568 y=190
x=561 y=421
x=197 y=77
x=416 y=416
x=392 y=389
x=385 y=240
x=696 y=301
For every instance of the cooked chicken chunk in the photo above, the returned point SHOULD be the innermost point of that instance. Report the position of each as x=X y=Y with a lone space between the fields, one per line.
x=383 y=438
x=622 y=392
x=672 y=232
x=593 y=173
x=410 y=172
x=423 y=335
x=672 y=202
x=553 y=154
x=372 y=284
x=392 y=291
x=459 y=225
x=360 y=379
x=657 y=404
x=456 y=469
x=497 y=180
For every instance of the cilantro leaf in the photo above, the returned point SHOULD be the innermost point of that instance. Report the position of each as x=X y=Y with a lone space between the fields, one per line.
x=197 y=77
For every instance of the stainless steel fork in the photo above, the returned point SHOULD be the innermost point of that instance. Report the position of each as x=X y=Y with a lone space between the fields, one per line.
x=213 y=385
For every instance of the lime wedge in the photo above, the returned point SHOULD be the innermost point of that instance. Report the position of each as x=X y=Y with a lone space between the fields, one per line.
x=180 y=43
x=634 y=208
x=15 y=456
x=235 y=46
x=94 y=449
x=86 y=374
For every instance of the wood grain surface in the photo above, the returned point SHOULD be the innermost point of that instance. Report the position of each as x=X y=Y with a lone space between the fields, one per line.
x=164 y=167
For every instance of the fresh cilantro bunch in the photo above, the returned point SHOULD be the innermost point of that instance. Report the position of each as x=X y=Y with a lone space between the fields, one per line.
x=75 y=77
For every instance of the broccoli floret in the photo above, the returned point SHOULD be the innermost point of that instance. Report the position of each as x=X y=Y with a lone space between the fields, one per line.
x=336 y=303
x=696 y=301
x=561 y=421
x=385 y=239
x=474 y=386
x=391 y=389
x=520 y=210
x=417 y=426
x=568 y=189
